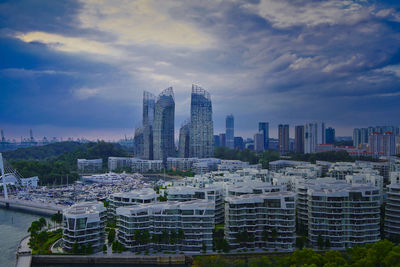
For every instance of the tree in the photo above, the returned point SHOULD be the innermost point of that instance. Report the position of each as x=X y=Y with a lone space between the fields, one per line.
x=300 y=242
x=104 y=248
x=75 y=248
x=111 y=235
x=320 y=242
x=181 y=235
x=274 y=235
x=264 y=237
x=89 y=249
x=327 y=243
x=204 y=247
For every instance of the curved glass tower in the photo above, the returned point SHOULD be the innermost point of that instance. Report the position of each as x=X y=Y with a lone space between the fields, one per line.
x=184 y=140
x=201 y=124
x=163 y=127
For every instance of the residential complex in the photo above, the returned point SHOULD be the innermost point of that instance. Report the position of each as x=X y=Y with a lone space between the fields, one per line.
x=90 y=165
x=185 y=226
x=84 y=224
x=201 y=124
x=143 y=196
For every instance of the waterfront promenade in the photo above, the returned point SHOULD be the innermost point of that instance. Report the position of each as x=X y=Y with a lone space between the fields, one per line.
x=44 y=208
x=24 y=253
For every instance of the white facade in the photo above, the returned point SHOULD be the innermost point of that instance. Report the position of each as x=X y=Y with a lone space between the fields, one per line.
x=211 y=193
x=118 y=163
x=272 y=214
x=182 y=164
x=143 y=196
x=84 y=224
x=190 y=223
x=346 y=215
x=90 y=165
x=314 y=134
x=392 y=214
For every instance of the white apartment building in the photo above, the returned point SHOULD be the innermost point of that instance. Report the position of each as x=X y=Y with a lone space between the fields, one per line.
x=84 y=224
x=395 y=177
x=252 y=188
x=144 y=165
x=392 y=214
x=232 y=165
x=118 y=163
x=276 y=165
x=90 y=165
x=268 y=220
x=211 y=193
x=142 y=196
x=346 y=215
x=171 y=225
x=182 y=164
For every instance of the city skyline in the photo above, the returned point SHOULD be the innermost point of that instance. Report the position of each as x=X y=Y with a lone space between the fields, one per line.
x=69 y=71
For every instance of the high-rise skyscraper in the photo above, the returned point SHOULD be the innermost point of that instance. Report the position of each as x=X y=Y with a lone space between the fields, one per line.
x=184 y=140
x=382 y=144
x=314 y=134
x=259 y=142
x=216 y=140
x=230 y=131
x=164 y=126
x=201 y=124
x=329 y=135
x=283 y=132
x=263 y=127
x=239 y=144
x=148 y=119
x=138 y=143
x=299 y=139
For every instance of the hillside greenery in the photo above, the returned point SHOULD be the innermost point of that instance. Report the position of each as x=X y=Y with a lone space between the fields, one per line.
x=53 y=166
x=380 y=254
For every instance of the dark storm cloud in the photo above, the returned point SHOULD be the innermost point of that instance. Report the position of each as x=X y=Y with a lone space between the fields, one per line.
x=85 y=64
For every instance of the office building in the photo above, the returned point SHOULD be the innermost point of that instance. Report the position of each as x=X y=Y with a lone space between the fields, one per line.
x=201 y=124
x=263 y=127
x=184 y=140
x=268 y=220
x=283 y=132
x=230 y=131
x=84 y=224
x=314 y=134
x=164 y=126
x=329 y=135
x=259 y=142
x=299 y=139
x=191 y=223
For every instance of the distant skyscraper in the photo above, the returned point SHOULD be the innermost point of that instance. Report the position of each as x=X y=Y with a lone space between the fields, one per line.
x=329 y=135
x=216 y=140
x=299 y=139
x=31 y=136
x=164 y=126
x=382 y=144
x=201 y=124
x=184 y=140
x=222 y=139
x=138 y=143
x=230 y=131
x=3 y=139
x=148 y=120
x=259 y=141
x=263 y=127
x=314 y=134
x=283 y=132
x=239 y=144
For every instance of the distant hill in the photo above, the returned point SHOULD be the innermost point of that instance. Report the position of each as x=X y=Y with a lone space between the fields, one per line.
x=54 y=162
x=41 y=152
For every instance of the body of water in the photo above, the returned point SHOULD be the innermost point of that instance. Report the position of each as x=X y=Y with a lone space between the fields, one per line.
x=13 y=227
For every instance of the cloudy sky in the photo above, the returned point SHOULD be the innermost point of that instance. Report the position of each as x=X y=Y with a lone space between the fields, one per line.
x=78 y=68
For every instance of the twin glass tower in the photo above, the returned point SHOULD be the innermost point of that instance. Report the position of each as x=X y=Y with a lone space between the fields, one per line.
x=155 y=139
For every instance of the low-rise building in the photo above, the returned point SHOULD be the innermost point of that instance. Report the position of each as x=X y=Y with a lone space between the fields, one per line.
x=84 y=225
x=90 y=165
x=172 y=225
